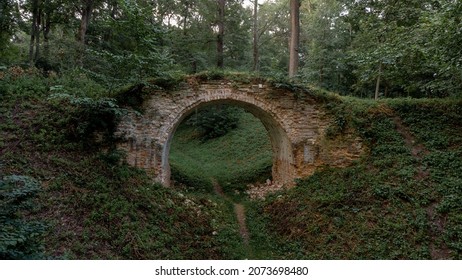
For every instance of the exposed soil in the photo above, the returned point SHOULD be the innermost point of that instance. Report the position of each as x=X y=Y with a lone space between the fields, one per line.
x=239 y=210
x=417 y=150
x=437 y=224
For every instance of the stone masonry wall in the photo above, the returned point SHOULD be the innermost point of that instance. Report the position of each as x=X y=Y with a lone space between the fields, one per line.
x=296 y=127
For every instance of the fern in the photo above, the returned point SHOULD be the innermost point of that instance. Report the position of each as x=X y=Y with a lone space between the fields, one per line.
x=19 y=239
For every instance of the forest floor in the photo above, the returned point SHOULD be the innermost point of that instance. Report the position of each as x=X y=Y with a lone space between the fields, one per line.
x=437 y=223
x=396 y=202
x=239 y=210
x=401 y=200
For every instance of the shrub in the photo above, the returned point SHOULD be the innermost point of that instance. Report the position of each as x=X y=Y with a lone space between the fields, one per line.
x=19 y=238
x=215 y=121
x=92 y=117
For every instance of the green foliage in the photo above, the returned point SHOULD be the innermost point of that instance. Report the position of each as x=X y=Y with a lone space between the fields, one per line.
x=18 y=82
x=404 y=45
x=241 y=156
x=324 y=39
x=126 y=50
x=393 y=204
x=19 y=237
x=273 y=30
x=110 y=210
x=410 y=48
x=92 y=117
x=192 y=38
x=443 y=27
x=6 y=27
x=215 y=121
x=114 y=211
x=437 y=125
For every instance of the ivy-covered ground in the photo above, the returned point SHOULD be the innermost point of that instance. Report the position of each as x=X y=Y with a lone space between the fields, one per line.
x=66 y=192
x=87 y=203
x=401 y=201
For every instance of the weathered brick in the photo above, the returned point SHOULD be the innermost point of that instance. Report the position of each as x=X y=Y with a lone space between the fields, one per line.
x=296 y=127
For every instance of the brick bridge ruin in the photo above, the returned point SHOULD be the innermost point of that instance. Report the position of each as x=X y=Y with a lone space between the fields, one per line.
x=296 y=127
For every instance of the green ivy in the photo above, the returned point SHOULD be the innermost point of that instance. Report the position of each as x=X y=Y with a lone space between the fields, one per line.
x=19 y=238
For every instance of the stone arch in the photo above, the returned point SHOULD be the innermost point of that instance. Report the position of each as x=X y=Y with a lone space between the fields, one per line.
x=282 y=165
x=296 y=128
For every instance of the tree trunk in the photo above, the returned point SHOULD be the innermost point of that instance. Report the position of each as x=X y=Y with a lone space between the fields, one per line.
x=256 y=56
x=86 y=11
x=37 y=34
x=377 y=85
x=46 y=34
x=185 y=17
x=294 y=37
x=321 y=74
x=221 y=33
x=34 y=33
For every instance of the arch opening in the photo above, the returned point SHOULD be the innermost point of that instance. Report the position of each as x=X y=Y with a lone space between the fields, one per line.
x=281 y=148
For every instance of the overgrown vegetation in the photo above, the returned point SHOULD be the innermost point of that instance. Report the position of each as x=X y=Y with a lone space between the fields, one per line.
x=92 y=204
x=399 y=202
x=20 y=238
x=69 y=70
x=214 y=121
x=397 y=48
x=241 y=156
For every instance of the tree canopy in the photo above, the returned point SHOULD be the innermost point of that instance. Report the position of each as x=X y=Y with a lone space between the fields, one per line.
x=364 y=48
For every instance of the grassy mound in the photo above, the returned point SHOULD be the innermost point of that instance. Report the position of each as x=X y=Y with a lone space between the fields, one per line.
x=403 y=201
x=91 y=204
x=241 y=156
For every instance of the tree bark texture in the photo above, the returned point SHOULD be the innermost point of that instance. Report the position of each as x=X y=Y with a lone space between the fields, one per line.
x=221 y=33
x=87 y=9
x=34 y=45
x=294 y=37
x=256 y=55
x=377 y=85
x=46 y=34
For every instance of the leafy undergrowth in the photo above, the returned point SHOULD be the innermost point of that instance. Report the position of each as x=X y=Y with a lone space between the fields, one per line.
x=396 y=203
x=402 y=200
x=242 y=156
x=233 y=160
x=91 y=204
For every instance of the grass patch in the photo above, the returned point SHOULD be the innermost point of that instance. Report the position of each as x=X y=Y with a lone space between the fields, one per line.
x=386 y=206
x=242 y=156
x=395 y=203
x=92 y=205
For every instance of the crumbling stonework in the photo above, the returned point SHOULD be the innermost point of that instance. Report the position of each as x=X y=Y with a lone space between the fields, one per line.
x=296 y=127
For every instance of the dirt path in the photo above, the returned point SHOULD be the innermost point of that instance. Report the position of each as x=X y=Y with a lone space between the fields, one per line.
x=437 y=223
x=239 y=210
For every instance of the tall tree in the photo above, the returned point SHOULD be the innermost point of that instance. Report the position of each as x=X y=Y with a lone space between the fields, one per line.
x=324 y=41
x=387 y=49
x=273 y=34
x=34 y=45
x=294 y=37
x=6 y=22
x=221 y=33
x=85 y=9
x=255 y=36
x=48 y=11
